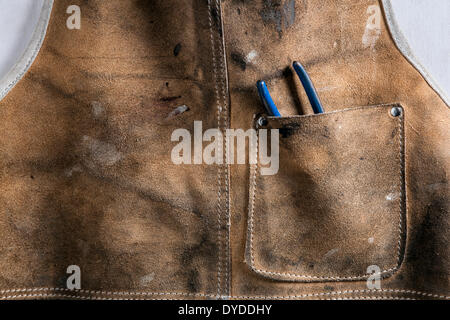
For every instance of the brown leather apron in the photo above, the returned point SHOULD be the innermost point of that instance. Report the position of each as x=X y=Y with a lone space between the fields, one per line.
x=87 y=177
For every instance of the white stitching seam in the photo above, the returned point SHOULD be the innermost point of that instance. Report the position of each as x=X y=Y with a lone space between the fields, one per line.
x=17 y=293
x=254 y=173
x=219 y=171
x=223 y=76
x=218 y=75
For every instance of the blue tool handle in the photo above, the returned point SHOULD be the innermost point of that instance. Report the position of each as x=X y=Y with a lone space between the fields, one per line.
x=309 y=87
x=264 y=94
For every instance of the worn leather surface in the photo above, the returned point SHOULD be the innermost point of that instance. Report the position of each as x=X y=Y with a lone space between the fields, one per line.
x=327 y=37
x=87 y=179
x=86 y=173
x=333 y=208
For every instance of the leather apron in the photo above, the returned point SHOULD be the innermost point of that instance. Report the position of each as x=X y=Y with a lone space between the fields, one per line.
x=87 y=177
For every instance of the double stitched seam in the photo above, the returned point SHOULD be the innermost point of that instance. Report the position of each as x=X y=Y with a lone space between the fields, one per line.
x=369 y=298
x=59 y=295
x=63 y=292
x=102 y=292
x=222 y=175
x=400 y=226
x=374 y=292
x=226 y=177
x=402 y=190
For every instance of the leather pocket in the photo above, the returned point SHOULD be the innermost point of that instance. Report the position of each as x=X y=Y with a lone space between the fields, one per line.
x=337 y=204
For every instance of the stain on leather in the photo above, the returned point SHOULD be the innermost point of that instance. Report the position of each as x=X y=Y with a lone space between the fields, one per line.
x=279 y=13
x=289 y=129
x=239 y=60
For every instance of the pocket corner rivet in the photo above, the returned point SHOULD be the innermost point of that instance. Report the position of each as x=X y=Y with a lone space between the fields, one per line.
x=396 y=111
x=262 y=122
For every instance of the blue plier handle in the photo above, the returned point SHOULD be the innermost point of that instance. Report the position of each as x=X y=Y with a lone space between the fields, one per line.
x=307 y=85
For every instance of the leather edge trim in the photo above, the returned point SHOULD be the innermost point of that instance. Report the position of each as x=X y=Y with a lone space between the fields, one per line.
x=403 y=46
x=26 y=60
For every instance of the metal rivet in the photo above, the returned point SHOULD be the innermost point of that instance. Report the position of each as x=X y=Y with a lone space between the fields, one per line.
x=396 y=111
x=262 y=122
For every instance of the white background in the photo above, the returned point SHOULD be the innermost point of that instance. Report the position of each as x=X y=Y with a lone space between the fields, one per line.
x=18 y=19
x=425 y=24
